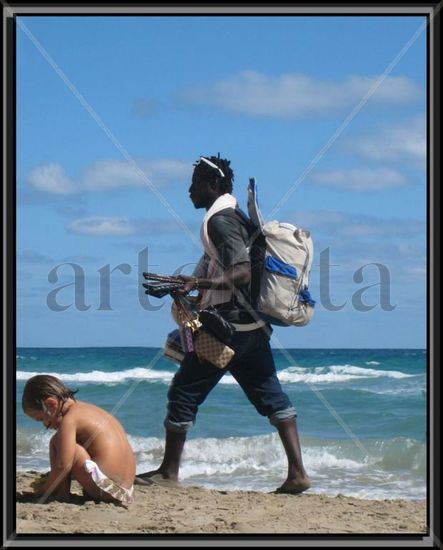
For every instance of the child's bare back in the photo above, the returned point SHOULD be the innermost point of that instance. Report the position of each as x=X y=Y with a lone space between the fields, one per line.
x=104 y=439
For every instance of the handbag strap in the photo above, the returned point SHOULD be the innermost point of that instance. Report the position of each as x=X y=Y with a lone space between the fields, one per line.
x=179 y=301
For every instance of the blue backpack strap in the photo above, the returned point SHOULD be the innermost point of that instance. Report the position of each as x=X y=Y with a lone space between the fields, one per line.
x=253 y=208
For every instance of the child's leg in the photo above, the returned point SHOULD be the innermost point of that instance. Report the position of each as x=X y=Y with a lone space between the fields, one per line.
x=84 y=478
x=63 y=489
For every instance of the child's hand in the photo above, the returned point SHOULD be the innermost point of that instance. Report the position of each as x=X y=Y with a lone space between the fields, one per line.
x=39 y=482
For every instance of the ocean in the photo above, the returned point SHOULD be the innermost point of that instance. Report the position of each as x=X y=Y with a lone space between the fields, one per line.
x=361 y=418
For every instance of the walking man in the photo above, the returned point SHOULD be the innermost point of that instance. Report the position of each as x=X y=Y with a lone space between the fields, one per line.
x=224 y=281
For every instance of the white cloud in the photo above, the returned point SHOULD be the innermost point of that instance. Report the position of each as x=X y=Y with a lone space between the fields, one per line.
x=416 y=271
x=110 y=174
x=318 y=218
x=383 y=228
x=296 y=95
x=51 y=178
x=360 y=179
x=355 y=240
x=406 y=141
x=335 y=224
x=34 y=257
x=102 y=226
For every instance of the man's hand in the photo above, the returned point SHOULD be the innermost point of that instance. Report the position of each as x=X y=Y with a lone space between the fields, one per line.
x=236 y=276
x=191 y=283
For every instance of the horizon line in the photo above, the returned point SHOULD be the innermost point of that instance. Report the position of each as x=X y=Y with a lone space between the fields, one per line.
x=276 y=349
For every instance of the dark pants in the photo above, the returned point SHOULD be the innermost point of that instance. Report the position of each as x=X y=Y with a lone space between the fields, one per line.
x=252 y=366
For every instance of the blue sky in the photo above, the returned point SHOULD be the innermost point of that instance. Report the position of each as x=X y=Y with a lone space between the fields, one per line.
x=113 y=111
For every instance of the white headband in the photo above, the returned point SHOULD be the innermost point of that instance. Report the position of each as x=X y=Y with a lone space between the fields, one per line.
x=212 y=165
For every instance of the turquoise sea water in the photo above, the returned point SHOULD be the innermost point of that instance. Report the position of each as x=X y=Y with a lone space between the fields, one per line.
x=361 y=416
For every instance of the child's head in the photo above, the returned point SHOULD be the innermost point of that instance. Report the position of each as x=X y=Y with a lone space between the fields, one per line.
x=43 y=399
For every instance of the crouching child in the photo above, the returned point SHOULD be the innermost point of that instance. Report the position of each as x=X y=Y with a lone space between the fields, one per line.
x=90 y=445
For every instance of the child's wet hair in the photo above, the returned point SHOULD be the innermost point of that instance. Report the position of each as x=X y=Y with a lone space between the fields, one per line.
x=41 y=386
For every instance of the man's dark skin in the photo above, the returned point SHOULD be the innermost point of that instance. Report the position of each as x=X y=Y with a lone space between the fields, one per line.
x=203 y=194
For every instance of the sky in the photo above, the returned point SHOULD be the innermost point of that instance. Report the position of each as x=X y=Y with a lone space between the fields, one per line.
x=328 y=113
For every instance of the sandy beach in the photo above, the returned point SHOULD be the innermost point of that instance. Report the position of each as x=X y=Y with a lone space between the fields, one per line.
x=175 y=510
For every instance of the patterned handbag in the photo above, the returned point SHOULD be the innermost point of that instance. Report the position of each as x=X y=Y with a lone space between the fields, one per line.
x=206 y=346
x=209 y=348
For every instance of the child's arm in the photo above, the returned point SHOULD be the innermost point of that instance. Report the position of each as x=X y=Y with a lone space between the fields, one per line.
x=62 y=466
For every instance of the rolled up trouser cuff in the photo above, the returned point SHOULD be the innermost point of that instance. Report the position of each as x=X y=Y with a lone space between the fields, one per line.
x=284 y=414
x=178 y=427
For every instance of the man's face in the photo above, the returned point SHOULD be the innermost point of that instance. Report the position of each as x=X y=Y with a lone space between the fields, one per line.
x=200 y=191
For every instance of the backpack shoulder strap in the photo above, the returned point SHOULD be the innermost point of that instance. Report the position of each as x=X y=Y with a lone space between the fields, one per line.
x=253 y=208
x=238 y=214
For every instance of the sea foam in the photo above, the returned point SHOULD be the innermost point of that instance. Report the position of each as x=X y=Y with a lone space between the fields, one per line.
x=390 y=468
x=290 y=375
x=102 y=377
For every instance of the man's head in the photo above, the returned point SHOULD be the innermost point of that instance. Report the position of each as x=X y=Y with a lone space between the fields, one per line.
x=212 y=177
